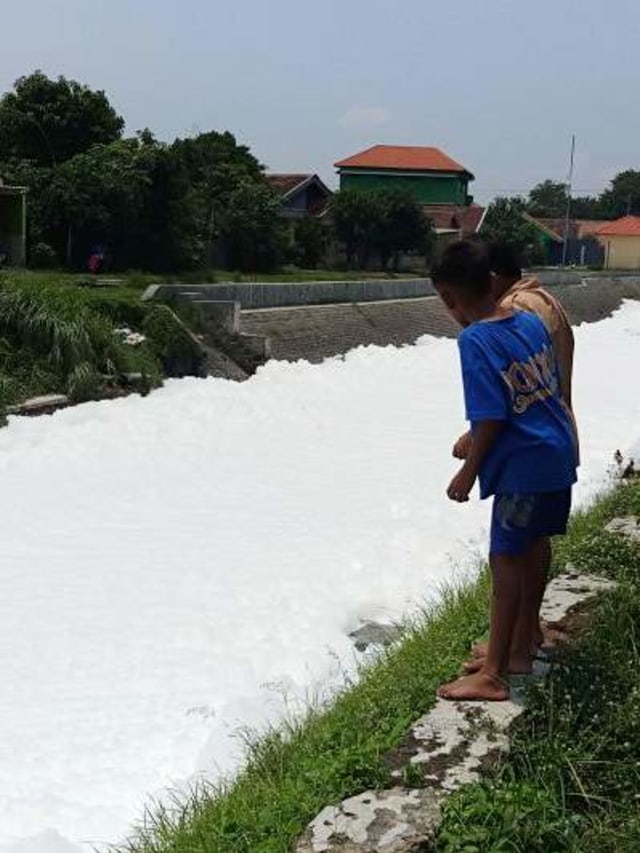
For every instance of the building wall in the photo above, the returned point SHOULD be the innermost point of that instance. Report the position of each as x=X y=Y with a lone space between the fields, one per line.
x=622 y=253
x=427 y=189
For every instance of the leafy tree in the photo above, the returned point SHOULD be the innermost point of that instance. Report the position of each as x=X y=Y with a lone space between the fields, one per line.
x=251 y=230
x=402 y=226
x=623 y=195
x=216 y=166
x=356 y=219
x=311 y=241
x=49 y=121
x=504 y=222
x=132 y=196
x=388 y=222
x=587 y=207
x=548 y=198
x=91 y=195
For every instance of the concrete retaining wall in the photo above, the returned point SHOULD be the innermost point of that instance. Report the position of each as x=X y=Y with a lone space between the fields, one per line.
x=279 y=295
x=274 y=295
x=317 y=332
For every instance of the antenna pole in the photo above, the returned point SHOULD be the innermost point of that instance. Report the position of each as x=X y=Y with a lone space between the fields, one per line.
x=567 y=216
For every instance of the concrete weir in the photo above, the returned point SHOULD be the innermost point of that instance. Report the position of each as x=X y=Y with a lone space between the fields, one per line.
x=448 y=747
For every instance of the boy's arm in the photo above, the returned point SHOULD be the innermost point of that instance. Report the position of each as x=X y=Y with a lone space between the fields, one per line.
x=484 y=435
x=462 y=446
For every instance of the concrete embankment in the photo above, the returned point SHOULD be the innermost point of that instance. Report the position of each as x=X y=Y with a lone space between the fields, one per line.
x=317 y=332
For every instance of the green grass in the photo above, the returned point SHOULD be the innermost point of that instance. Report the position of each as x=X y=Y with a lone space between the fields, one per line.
x=572 y=780
x=296 y=770
x=56 y=337
x=136 y=280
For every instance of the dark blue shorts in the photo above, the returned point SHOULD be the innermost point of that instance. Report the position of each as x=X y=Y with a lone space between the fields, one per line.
x=517 y=520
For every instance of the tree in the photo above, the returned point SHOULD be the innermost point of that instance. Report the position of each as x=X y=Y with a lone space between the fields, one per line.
x=623 y=195
x=251 y=230
x=548 y=198
x=356 y=217
x=49 y=121
x=93 y=195
x=388 y=222
x=402 y=226
x=132 y=196
x=216 y=166
x=504 y=223
x=587 y=207
x=310 y=241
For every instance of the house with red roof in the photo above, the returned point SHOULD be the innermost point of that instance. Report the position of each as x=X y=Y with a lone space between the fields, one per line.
x=300 y=194
x=621 y=240
x=437 y=181
x=584 y=247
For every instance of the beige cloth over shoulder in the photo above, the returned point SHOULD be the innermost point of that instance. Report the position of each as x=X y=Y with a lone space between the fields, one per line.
x=529 y=295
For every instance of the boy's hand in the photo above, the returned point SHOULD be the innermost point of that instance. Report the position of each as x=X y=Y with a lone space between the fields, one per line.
x=462 y=446
x=462 y=484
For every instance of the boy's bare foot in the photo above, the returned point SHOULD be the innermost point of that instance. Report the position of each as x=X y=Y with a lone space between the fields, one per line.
x=517 y=665
x=476 y=687
x=479 y=650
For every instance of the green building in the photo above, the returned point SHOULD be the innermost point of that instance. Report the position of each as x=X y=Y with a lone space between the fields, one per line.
x=436 y=181
x=428 y=173
x=13 y=225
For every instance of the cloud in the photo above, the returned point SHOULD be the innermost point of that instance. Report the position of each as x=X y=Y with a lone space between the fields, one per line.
x=364 y=117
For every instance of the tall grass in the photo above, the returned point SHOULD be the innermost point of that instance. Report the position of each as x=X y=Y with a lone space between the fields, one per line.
x=56 y=324
x=55 y=337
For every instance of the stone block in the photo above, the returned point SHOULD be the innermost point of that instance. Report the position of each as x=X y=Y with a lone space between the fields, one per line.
x=628 y=526
x=394 y=821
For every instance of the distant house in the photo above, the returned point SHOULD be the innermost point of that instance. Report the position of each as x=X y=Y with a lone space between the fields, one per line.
x=300 y=195
x=621 y=241
x=436 y=181
x=584 y=247
x=13 y=225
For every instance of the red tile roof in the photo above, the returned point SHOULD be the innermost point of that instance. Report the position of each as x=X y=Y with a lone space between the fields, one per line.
x=284 y=183
x=628 y=226
x=591 y=227
x=406 y=157
x=578 y=228
x=452 y=217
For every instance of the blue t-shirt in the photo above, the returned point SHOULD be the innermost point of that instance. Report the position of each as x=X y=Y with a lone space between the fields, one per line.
x=509 y=374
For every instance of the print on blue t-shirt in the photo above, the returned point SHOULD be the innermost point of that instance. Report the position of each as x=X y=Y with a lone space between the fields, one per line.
x=509 y=374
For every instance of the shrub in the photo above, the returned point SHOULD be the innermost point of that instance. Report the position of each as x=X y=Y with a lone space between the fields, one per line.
x=43 y=256
x=178 y=351
x=84 y=383
x=5 y=398
x=310 y=242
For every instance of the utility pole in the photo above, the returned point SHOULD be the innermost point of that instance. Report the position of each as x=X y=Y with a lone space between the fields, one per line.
x=568 y=211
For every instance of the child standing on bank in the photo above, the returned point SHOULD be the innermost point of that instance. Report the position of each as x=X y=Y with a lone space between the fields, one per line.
x=522 y=452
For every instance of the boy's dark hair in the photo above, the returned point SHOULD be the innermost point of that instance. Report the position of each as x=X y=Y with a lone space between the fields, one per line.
x=464 y=265
x=505 y=260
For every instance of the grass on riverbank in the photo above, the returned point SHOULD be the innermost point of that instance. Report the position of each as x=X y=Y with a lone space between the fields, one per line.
x=573 y=776
x=137 y=280
x=58 y=338
x=295 y=771
x=572 y=780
